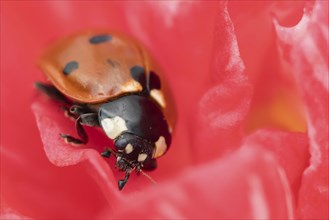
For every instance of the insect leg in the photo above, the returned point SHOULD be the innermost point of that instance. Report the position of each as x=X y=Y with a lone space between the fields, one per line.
x=89 y=119
x=107 y=153
x=122 y=183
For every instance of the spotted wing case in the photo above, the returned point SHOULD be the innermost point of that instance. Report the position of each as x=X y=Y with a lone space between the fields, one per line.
x=92 y=66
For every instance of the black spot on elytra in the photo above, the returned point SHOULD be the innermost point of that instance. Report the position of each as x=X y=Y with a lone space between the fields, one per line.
x=154 y=82
x=100 y=38
x=70 y=66
x=138 y=74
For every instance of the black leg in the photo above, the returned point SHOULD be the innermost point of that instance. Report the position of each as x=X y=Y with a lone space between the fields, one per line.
x=107 y=153
x=122 y=183
x=73 y=140
x=75 y=111
x=90 y=119
x=68 y=114
x=52 y=92
x=80 y=113
x=81 y=133
x=79 y=110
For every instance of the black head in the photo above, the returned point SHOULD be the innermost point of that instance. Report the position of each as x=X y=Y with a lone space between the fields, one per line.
x=139 y=130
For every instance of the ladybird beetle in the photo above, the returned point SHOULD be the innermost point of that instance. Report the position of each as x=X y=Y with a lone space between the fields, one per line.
x=107 y=79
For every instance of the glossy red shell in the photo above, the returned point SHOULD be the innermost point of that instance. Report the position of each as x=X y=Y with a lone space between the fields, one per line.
x=103 y=71
x=104 y=68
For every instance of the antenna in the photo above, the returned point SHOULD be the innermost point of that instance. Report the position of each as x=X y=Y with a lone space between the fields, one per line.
x=149 y=177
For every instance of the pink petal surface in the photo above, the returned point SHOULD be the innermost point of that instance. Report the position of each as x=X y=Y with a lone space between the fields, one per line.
x=260 y=191
x=225 y=102
x=7 y=213
x=290 y=149
x=275 y=102
x=304 y=47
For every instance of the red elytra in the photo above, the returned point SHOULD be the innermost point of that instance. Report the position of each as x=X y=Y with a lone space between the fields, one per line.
x=93 y=66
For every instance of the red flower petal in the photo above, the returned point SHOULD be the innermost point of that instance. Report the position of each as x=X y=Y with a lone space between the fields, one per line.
x=275 y=102
x=225 y=103
x=289 y=148
x=305 y=46
x=247 y=184
x=8 y=213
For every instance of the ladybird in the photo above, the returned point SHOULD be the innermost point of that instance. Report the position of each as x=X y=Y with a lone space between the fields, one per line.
x=107 y=79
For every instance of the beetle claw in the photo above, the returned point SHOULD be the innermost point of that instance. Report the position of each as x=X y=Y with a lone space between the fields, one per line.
x=122 y=183
x=72 y=140
x=106 y=154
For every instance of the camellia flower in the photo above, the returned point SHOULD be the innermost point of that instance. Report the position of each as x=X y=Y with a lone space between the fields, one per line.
x=250 y=85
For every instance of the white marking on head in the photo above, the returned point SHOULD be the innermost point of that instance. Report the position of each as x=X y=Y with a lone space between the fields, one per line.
x=160 y=147
x=158 y=97
x=113 y=127
x=129 y=148
x=141 y=157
